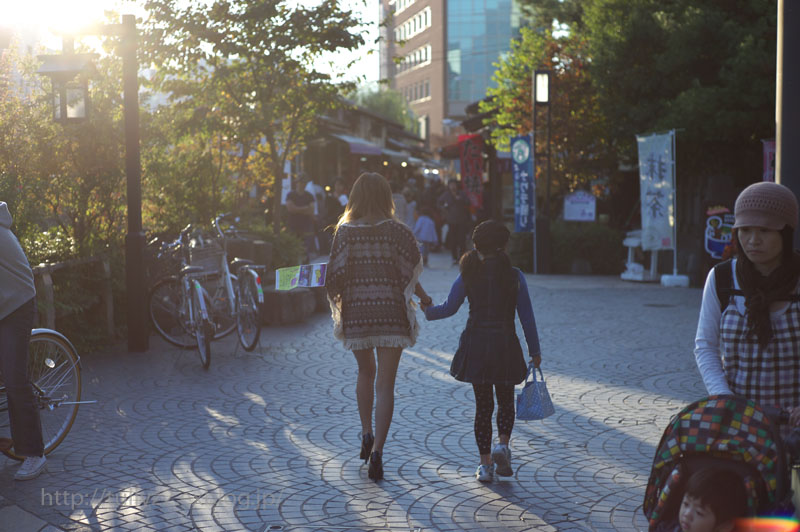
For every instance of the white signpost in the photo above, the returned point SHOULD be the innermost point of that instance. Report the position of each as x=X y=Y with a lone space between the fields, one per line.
x=580 y=206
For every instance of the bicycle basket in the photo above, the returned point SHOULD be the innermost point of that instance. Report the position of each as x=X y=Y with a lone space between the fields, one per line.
x=208 y=257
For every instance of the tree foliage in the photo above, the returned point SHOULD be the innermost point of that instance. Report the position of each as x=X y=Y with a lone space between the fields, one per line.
x=63 y=181
x=247 y=65
x=388 y=103
x=706 y=68
x=577 y=147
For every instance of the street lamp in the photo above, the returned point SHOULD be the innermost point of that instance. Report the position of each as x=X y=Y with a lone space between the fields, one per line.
x=68 y=110
x=541 y=96
x=70 y=96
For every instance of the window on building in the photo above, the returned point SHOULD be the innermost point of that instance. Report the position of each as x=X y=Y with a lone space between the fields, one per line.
x=423 y=126
x=427 y=88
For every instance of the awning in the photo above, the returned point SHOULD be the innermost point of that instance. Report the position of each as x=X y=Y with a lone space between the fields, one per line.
x=395 y=156
x=397 y=144
x=358 y=145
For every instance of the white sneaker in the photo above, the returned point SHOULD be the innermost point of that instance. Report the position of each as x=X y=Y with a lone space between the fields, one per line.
x=485 y=473
x=31 y=468
x=501 y=456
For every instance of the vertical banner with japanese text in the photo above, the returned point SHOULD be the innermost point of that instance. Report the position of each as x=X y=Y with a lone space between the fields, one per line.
x=524 y=184
x=657 y=188
x=470 y=150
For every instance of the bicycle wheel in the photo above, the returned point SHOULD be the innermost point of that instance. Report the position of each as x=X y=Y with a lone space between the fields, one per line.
x=56 y=379
x=168 y=314
x=248 y=324
x=201 y=324
x=220 y=310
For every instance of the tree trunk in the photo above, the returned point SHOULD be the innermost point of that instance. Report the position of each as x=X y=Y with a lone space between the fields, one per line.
x=276 y=200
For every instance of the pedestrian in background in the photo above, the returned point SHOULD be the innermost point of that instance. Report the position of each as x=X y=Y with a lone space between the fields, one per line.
x=411 y=206
x=748 y=332
x=17 y=312
x=400 y=205
x=455 y=206
x=372 y=273
x=425 y=232
x=300 y=219
x=489 y=355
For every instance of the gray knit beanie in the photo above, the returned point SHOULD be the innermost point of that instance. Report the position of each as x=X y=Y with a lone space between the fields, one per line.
x=766 y=204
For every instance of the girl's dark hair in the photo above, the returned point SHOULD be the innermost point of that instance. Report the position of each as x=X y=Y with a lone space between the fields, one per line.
x=490 y=239
x=721 y=490
x=760 y=291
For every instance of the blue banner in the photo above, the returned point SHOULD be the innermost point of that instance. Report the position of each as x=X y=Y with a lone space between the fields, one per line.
x=524 y=184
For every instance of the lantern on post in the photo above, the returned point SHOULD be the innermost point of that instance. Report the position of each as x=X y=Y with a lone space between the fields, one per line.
x=68 y=74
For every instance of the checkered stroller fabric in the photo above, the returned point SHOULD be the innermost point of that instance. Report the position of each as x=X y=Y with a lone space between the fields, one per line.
x=724 y=429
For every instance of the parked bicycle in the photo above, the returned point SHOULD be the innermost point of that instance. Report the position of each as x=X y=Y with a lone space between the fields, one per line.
x=244 y=290
x=55 y=374
x=233 y=297
x=179 y=305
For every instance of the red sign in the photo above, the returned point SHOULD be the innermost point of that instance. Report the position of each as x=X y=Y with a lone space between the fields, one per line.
x=769 y=159
x=470 y=150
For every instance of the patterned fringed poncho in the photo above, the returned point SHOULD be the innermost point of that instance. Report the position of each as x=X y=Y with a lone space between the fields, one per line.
x=371 y=276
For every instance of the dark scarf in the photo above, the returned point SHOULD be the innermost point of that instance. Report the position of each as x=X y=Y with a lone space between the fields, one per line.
x=761 y=291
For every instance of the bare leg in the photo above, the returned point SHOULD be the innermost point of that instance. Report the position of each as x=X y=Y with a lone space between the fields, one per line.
x=365 y=387
x=388 y=361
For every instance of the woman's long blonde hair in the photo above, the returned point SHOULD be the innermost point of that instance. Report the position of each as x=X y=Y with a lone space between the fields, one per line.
x=371 y=197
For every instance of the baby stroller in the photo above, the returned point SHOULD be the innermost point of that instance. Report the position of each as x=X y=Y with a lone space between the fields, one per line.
x=727 y=432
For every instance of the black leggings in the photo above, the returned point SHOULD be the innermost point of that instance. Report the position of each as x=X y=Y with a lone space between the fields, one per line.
x=484 y=406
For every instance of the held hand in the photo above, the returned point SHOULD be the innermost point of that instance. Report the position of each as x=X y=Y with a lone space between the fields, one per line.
x=536 y=360
x=425 y=302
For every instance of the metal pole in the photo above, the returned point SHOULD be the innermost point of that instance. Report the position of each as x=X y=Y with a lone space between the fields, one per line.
x=138 y=340
x=549 y=106
x=533 y=177
x=674 y=209
x=787 y=104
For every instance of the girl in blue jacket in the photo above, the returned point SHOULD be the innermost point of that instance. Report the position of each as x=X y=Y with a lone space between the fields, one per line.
x=489 y=355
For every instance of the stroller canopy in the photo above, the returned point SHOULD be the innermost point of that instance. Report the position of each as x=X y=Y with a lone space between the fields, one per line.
x=722 y=428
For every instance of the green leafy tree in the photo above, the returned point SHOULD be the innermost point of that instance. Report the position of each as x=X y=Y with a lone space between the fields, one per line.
x=65 y=180
x=388 y=103
x=254 y=59
x=578 y=151
x=706 y=68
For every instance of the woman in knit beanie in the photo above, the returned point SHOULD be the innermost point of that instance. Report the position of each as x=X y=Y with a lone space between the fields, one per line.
x=748 y=334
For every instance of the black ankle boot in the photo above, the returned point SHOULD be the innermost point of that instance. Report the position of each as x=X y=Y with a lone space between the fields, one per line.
x=376 y=466
x=366 y=446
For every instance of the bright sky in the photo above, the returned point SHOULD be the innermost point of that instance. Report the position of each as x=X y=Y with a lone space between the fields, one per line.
x=36 y=21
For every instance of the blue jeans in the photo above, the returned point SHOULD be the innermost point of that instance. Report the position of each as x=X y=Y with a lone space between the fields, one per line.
x=26 y=428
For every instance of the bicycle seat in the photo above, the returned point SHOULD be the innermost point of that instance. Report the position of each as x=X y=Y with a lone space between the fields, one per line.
x=186 y=270
x=237 y=263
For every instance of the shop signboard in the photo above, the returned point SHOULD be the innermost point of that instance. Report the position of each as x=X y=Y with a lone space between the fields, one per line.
x=580 y=206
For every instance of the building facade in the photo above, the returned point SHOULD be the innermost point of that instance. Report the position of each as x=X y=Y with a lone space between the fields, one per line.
x=440 y=55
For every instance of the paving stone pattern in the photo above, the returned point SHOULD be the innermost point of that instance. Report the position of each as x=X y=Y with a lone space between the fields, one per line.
x=271 y=438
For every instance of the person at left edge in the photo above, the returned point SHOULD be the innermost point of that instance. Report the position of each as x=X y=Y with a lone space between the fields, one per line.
x=17 y=312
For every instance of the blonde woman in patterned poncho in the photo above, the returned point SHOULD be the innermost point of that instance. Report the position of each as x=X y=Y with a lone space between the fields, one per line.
x=372 y=273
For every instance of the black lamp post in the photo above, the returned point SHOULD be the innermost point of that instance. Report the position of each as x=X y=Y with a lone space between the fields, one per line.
x=62 y=69
x=541 y=96
x=541 y=241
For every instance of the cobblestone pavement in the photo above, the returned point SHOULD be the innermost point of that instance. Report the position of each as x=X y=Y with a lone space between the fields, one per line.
x=271 y=438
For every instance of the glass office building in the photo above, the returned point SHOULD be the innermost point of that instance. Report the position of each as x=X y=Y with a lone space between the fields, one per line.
x=478 y=34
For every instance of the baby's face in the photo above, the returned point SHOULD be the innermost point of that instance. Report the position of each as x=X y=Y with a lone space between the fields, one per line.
x=695 y=516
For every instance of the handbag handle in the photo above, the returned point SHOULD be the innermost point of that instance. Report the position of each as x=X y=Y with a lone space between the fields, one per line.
x=532 y=371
